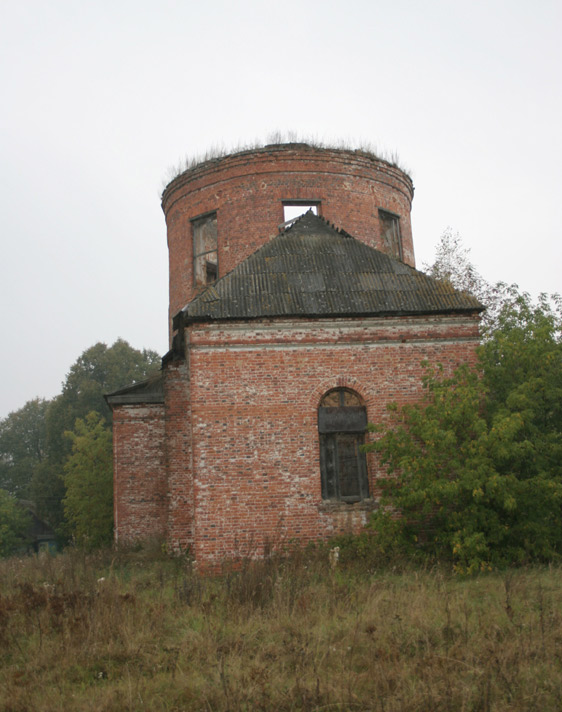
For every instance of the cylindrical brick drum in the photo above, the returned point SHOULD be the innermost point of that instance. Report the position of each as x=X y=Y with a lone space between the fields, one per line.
x=222 y=210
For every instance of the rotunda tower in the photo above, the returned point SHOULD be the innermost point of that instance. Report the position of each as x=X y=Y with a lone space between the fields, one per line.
x=222 y=210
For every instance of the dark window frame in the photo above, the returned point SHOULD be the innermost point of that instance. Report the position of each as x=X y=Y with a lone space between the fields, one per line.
x=205 y=271
x=343 y=464
x=391 y=234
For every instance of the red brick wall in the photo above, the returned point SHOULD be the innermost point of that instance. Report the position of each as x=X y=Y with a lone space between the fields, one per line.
x=177 y=383
x=139 y=484
x=254 y=472
x=247 y=190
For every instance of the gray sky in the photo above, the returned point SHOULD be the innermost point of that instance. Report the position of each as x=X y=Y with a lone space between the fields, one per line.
x=99 y=99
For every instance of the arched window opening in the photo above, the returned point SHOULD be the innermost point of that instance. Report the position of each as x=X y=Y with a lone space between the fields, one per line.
x=342 y=420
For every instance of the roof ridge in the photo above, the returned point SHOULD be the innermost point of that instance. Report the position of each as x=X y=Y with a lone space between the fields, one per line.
x=329 y=224
x=339 y=230
x=288 y=224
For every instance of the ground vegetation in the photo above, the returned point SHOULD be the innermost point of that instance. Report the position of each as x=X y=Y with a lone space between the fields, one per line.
x=118 y=632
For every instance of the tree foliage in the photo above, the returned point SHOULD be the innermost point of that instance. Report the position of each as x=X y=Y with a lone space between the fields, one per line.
x=88 y=503
x=33 y=446
x=453 y=264
x=98 y=370
x=22 y=446
x=47 y=491
x=475 y=469
x=13 y=524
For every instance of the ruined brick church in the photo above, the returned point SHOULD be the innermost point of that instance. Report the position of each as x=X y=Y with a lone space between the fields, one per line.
x=287 y=336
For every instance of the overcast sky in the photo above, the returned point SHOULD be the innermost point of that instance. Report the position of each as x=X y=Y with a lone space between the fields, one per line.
x=99 y=99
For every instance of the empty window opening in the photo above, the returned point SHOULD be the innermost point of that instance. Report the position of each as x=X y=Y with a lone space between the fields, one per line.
x=390 y=233
x=205 y=253
x=293 y=209
x=342 y=421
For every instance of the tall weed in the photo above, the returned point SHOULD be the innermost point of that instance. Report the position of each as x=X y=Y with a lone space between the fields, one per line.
x=138 y=631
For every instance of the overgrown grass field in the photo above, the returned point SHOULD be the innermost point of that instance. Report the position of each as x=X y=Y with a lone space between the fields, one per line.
x=138 y=631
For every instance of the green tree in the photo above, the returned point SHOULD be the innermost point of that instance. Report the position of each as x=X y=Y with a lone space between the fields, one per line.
x=99 y=370
x=22 y=446
x=14 y=521
x=88 y=503
x=47 y=491
x=453 y=264
x=475 y=468
x=521 y=359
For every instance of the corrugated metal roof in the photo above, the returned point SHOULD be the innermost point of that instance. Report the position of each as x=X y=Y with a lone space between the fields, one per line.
x=312 y=269
x=149 y=391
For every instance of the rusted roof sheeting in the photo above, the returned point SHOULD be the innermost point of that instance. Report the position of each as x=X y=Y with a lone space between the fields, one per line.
x=312 y=269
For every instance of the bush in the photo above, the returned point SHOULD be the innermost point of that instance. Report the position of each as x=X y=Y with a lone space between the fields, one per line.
x=88 y=478
x=14 y=522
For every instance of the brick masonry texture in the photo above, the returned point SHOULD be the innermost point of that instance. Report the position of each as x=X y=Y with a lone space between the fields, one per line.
x=229 y=463
x=140 y=489
x=255 y=392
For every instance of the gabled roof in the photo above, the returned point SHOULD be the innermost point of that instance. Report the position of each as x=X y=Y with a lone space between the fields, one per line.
x=312 y=269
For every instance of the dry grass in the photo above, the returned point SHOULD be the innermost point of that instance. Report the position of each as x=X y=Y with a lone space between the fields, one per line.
x=278 y=635
x=278 y=138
